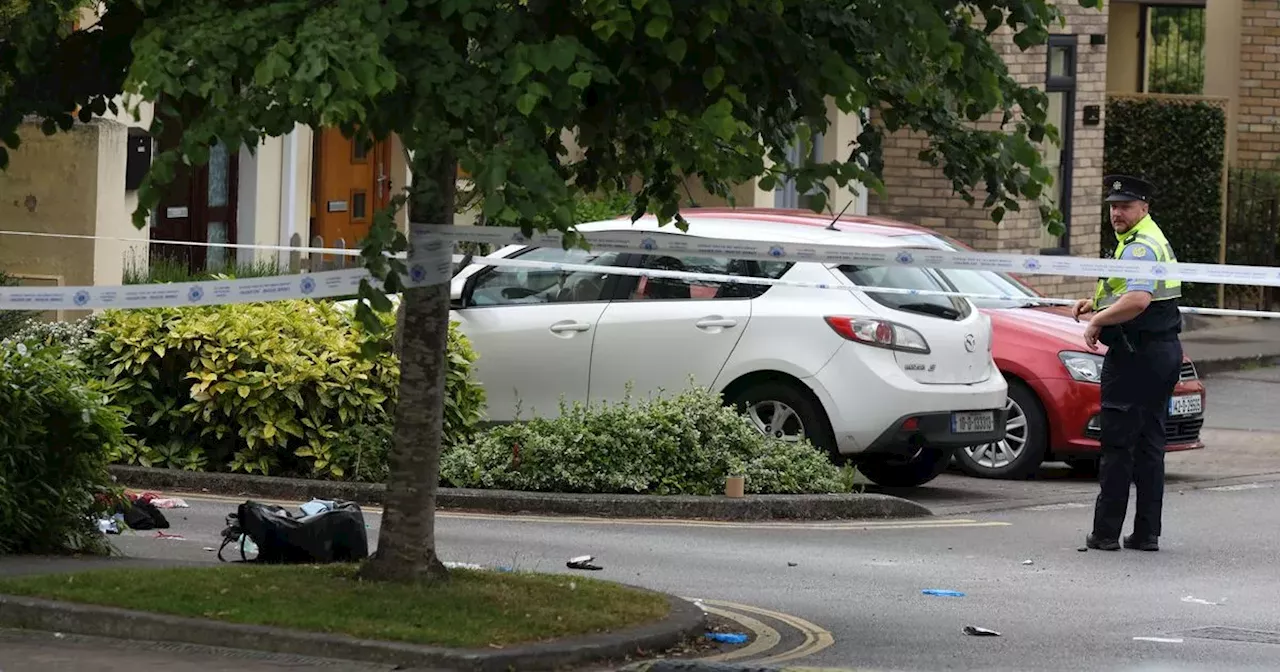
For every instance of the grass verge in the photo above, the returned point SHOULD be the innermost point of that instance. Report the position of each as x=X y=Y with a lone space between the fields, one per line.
x=476 y=609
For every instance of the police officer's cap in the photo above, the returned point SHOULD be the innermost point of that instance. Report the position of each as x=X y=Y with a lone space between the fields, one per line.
x=1128 y=188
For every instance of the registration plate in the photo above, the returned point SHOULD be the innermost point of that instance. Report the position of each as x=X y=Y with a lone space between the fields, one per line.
x=1187 y=404
x=971 y=422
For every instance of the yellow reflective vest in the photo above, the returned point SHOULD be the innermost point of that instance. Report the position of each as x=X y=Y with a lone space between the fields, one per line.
x=1144 y=242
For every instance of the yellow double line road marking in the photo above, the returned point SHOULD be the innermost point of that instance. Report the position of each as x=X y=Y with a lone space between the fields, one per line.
x=896 y=524
x=767 y=638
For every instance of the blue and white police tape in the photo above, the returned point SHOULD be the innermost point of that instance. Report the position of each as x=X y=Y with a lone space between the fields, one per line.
x=674 y=242
x=341 y=283
x=677 y=243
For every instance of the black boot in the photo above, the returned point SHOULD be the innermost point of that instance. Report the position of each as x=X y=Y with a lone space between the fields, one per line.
x=1101 y=544
x=1137 y=543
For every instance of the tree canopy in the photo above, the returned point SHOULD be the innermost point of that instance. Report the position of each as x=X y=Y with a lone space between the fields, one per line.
x=659 y=91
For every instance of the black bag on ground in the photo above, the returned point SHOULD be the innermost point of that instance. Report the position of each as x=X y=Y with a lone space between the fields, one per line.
x=140 y=515
x=335 y=535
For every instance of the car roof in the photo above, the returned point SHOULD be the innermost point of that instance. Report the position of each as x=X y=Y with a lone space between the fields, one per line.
x=765 y=224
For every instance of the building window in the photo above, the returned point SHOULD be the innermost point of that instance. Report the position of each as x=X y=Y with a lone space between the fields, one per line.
x=1060 y=86
x=1173 y=49
x=786 y=195
x=359 y=205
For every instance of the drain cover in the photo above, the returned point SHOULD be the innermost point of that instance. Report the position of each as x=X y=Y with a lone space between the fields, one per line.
x=1234 y=635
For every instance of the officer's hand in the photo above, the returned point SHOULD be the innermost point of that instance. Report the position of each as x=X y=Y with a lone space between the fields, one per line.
x=1082 y=306
x=1091 y=334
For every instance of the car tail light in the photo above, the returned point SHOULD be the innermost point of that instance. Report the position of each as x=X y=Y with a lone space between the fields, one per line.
x=880 y=333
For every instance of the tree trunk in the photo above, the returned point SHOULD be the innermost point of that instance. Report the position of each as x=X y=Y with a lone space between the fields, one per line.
x=407 y=542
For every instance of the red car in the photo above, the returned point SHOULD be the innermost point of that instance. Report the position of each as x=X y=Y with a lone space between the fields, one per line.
x=1054 y=392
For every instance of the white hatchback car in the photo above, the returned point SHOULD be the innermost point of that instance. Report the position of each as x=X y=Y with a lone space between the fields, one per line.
x=895 y=382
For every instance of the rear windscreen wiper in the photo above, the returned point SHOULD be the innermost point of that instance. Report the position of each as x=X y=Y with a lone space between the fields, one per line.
x=931 y=309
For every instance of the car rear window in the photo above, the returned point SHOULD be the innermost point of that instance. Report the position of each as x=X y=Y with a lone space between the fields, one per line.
x=908 y=277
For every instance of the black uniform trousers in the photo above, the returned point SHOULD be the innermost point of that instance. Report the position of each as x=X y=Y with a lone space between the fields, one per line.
x=1136 y=386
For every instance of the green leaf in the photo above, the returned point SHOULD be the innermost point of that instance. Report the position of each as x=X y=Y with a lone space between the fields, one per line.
x=676 y=49
x=578 y=80
x=818 y=201
x=526 y=103
x=563 y=53
x=522 y=70
x=657 y=27
x=712 y=77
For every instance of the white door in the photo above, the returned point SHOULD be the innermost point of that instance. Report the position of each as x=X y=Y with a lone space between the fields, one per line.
x=669 y=330
x=532 y=330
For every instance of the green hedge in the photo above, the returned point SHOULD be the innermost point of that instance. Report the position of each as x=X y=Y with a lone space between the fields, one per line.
x=1177 y=145
x=273 y=388
x=12 y=320
x=663 y=445
x=54 y=440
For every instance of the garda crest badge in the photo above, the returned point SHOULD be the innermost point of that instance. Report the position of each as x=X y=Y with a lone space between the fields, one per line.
x=1139 y=251
x=1116 y=186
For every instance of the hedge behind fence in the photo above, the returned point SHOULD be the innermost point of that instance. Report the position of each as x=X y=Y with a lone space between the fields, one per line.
x=1177 y=144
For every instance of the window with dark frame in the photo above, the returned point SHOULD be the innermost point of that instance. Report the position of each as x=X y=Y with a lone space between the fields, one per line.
x=1060 y=86
x=1171 y=49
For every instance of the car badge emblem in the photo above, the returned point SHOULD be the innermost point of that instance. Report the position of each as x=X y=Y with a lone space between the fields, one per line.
x=970 y=343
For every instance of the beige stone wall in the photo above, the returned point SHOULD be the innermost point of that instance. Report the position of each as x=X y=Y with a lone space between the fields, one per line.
x=918 y=193
x=1258 y=127
x=71 y=183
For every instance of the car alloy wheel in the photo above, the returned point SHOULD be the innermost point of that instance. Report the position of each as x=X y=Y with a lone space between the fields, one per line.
x=776 y=419
x=1022 y=451
x=1004 y=453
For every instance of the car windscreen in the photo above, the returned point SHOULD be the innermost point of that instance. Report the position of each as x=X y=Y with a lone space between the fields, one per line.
x=908 y=277
x=971 y=281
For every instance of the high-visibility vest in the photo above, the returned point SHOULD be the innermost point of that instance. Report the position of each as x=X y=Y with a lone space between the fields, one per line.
x=1146 y=232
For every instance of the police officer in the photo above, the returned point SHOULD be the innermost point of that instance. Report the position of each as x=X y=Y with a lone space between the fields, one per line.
x=1139 y=322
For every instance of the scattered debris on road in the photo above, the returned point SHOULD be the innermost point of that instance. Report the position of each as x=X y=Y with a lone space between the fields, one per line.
x=1195 y=600
x=938 y=592
x=792 y=564
x=1160 y=640
x=164 y=535
x=156 y=500
x=1028 y=562
x=583 y=562
x=728 y=637
x=975 y=631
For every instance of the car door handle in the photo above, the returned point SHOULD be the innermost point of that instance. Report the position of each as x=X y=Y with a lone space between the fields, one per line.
x=561 y=327
x=709 y=322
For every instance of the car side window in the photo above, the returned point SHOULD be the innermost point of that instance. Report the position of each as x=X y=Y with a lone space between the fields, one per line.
x=649 y=288
x=501 y=286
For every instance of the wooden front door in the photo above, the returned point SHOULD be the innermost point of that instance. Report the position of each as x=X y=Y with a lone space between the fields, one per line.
x=199 y=206
x=351 y=183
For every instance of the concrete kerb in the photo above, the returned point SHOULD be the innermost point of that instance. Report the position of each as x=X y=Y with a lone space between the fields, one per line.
x=683 y=622
x=750 y=508
x=1209 y=367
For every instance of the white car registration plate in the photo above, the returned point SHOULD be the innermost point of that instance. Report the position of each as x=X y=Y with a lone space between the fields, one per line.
x=1186 y=404
x=970 y=422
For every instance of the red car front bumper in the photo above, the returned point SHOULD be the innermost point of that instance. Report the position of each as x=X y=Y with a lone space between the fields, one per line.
x=1072 y=409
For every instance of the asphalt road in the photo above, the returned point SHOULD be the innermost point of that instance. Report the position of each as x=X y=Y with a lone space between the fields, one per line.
x=862 y=583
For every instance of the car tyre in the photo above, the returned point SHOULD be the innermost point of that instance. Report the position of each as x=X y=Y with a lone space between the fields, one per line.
x=763 y=402
x=896 y=473
x=1026 y=439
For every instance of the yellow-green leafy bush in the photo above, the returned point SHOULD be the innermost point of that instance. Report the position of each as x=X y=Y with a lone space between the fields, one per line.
x=276 y=388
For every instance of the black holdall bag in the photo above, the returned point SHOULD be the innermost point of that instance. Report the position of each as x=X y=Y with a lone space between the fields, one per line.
x=335 y=535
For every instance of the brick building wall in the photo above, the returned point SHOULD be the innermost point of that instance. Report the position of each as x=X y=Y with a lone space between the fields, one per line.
x=919 y=194
x=1258 y=127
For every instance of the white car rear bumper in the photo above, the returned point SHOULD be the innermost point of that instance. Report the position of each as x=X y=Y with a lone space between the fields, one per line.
x=869 y=401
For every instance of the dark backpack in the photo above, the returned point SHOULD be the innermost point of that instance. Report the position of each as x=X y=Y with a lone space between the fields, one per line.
x=334 y=535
